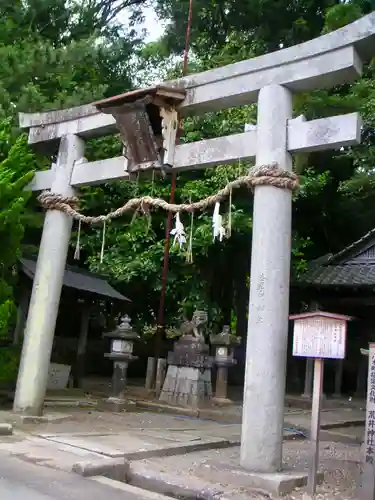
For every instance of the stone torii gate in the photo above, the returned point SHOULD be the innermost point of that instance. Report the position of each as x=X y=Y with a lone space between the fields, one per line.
x=270 y=80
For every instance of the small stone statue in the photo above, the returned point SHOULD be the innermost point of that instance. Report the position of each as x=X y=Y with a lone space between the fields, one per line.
x=196 y=326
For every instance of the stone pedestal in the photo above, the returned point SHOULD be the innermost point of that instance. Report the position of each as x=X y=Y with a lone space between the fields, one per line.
x=188 y=379
x=224 y=344
x=161 y=367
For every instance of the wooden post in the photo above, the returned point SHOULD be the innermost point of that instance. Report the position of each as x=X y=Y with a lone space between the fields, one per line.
x=315 y=424
x=79 y=369
x=151 y=361
x=161 y=370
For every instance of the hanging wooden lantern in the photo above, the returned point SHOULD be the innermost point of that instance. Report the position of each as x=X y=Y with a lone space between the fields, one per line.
x=147 y=121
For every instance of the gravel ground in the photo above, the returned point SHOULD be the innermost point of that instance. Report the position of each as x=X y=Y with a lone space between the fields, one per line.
x=339 y=462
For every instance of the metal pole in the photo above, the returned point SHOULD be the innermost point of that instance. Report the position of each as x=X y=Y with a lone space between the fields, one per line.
x=315 y=424
x=160 y=317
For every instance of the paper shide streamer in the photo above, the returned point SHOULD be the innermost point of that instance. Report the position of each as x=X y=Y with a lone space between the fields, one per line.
x=178 y=232
x=217 y=224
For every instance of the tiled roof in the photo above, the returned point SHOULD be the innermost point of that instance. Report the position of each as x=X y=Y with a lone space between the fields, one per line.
x=344 y=275
x=79 y=279
x=355 y=247
x=354 y=266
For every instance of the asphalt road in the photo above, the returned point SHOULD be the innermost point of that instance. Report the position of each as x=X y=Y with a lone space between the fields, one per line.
x=20 y=480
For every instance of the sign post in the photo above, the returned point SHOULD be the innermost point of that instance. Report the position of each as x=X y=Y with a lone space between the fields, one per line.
x=368 y=468
x=318 y=335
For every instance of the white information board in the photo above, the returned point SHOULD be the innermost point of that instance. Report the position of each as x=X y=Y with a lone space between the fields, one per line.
x=319 y=337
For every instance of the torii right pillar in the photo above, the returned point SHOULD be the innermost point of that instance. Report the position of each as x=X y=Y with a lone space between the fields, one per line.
x=263 y=406
x=264 y=392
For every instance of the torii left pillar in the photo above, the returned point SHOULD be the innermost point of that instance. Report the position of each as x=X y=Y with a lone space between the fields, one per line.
x=48 y=280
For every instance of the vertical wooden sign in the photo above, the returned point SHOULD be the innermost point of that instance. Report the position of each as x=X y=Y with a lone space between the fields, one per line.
x=368 y=468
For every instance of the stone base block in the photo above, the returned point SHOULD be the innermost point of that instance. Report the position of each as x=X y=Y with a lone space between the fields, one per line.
x=116 y=405
x=278 y=483
x=221 y=401
x=234 y=479
x=186 y=386
x=114 y=468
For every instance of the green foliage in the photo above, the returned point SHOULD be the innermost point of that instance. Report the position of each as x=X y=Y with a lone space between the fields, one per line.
x=341 y=14
x=9 y=363
x=17 y=165
x=262 y=25
x=59 y=54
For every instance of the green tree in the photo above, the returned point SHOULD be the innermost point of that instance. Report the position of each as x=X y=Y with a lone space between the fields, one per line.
x=323 y=217
x=17 y=164
x=59 y=54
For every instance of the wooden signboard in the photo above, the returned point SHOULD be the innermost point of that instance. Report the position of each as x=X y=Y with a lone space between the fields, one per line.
x=319 y=335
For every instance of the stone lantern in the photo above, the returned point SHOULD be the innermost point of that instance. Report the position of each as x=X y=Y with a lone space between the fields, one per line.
x=224 y=343
x=122 y=343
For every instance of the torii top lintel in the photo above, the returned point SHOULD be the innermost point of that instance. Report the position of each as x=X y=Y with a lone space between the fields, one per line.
x=323 y=62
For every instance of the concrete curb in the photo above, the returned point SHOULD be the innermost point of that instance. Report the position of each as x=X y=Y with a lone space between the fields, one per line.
x=174 y=450
x=6 y=429
x=213 y=414
x=19 y=419
x=113 y=468
x=146 y=479
x=190 y=488
x=346 y=423
x=336 y=425
x=203 y=413
x=178 y=449
x=140 y=493
x=172 y=486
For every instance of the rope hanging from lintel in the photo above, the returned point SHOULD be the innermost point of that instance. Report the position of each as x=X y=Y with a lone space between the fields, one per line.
x=270 y=175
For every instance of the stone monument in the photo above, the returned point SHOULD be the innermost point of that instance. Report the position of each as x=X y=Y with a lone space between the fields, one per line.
x=188 y=379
